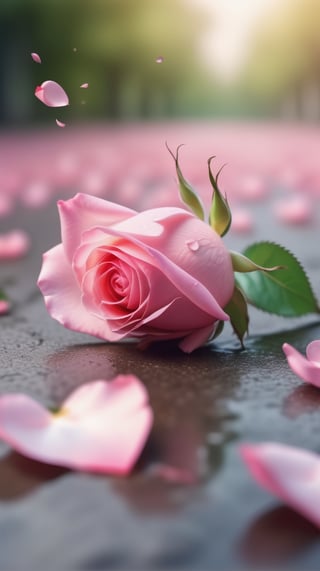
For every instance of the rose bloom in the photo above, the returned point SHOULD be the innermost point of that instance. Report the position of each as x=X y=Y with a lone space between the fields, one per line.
x=158 y=274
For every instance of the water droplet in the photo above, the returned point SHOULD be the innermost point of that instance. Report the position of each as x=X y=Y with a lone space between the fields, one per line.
x=159 y=59
x=193 y=245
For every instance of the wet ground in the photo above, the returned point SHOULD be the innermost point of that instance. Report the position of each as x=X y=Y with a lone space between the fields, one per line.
x=205 y=405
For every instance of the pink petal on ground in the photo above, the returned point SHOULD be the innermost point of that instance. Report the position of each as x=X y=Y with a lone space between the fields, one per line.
x=84 y=85
x=296 y=210
x=52 y=94
x=306 y=369
x=242 y=221
x=313 y=351
x=291 y=474
x=101 y=427
x=60 y=124
x=5 y=306
x=14 y=244
x=36 y=57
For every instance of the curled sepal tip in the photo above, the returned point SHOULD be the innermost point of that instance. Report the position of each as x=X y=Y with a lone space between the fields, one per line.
x=237 y=310
x=220 y=213
x=187 y=194
x=242 y=264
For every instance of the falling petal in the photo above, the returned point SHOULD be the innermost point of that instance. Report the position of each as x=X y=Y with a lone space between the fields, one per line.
x=52 y=94
x=5 y=306
x=36 y=57
x=291 y=474
x=102 y=426
x=14 y=244
x=84 y=85
x=193 y=245
x=160 y=59
x=60 y=124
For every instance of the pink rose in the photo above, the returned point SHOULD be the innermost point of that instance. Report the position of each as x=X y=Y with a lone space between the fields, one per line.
x=158 y=274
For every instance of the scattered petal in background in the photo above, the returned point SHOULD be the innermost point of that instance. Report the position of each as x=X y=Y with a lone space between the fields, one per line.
x=52 y=94
x=160 y=59
x=291 y=474
x=242 y=221
x=296 y=210
x=84 y=85
x=14 y=244
x=60 y=124
x=5 y=306
x=307 y=368
x=36 y=57
x=102 y=426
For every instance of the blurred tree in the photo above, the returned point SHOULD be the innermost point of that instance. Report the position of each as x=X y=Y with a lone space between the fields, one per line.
x=112 y=44
x=283 y=72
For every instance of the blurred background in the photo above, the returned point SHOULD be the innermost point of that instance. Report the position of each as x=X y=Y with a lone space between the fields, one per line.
x=239 y=79
x=230 y=58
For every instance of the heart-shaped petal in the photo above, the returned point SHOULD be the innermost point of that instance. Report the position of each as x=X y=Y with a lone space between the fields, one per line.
x=52 y=94
x=102 y=426
x=291 y=474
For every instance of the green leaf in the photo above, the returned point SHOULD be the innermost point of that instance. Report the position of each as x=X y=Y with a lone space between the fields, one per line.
x=241 y=263
x=220 y=213
x=218 y=330
x=237 y=310
x=286 y=291
x=188 y=195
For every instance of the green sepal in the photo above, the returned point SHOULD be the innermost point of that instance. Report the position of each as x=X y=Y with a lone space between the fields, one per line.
x=218 y=330
x=188 y=195
x=237 y=310
x=220 y=214
x=285 y=292
x=242 y=264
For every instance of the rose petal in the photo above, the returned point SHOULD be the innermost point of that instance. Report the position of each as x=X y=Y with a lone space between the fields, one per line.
x=294 y=210
x=84 y=85
x=195 y=292
x=292 y=474
x=52 y=94
x=196 y=339
x=5 y=306
x=62 y=297
x=36 y=57
x=307 y=370
x=60 y=124
x=14 y=245
x=313 y=351
x=102 y=426
x=83 y=212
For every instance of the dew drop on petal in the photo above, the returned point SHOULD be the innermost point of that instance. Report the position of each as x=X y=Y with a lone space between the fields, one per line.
x=60 y=124
x=84 y=85
x=36 y=57
x=159 y=59
x=193 y=245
